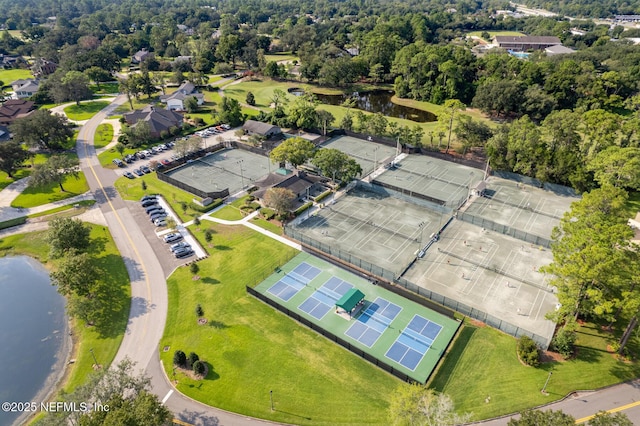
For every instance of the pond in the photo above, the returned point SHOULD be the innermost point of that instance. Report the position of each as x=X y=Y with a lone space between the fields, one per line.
x=375 y=101
x=33 y=332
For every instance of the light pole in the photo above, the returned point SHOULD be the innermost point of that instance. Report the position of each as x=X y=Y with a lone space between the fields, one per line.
x=375 y=158
x=544 y=388
x=241 y=174
x=271 y=399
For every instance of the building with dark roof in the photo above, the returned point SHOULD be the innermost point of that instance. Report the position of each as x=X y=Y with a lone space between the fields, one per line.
x=13 y=109
x=298 y=182
x=175 y=101
x=524 y=43
x=25 y=88
x=252 y=127
x=159 y=119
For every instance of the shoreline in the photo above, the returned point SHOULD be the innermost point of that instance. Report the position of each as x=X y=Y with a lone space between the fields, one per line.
x=58 y=376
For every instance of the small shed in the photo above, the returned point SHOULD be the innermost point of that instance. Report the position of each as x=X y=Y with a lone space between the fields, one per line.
x=479 y=188
x=252 y=127
x=350 y=300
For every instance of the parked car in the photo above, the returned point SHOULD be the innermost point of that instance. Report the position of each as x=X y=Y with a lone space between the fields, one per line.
x=145 y=169
x=165 y=162
x=226 y=126
x=149 y=197
x=118 y=162
x=154 y=207
x=141 y=155
x=156 y=216
x=160 y=222
x=129 y=175
x=183 y=252
x=138 y=172
x=170 y=144
x=128 y=159
x=156 y=150
x=174 y=236
x=179 y=245
x=148 y=203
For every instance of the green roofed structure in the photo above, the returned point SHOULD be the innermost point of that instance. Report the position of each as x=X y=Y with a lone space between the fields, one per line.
x=350 y=300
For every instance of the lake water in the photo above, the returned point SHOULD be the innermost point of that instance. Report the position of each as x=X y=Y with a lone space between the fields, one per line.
x=376 y=101
x=33 y=332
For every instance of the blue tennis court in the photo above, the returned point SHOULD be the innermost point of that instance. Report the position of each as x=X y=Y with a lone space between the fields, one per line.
x=324 y=298
x=371 y=323
x=414 y=342
x=294 y=281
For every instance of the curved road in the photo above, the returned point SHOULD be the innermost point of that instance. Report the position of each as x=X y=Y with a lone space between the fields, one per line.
x=148 y=312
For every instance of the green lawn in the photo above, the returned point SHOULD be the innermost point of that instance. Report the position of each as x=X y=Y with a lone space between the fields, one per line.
x=105 y=344
x=103 y=135
x=37 y=196
x=269 y=226
x=251 y=349
x=131 y=189
x=85 y=110
x=284 y=56
x=9 y=76
x=633 y=204
x=105 y=88
x=483 y=363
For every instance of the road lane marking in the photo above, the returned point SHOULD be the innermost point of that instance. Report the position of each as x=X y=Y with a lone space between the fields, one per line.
x=167 y=396
x=117 y=216
x=613 y=410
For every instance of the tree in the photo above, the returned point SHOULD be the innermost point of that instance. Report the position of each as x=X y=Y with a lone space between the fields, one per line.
x=76 y=86
x=250 y=99
x=279 y=199
x=41 y=129
x=415 y=405
x=97 y=75
x=127 y=395
x=179 y=358
x=543 y=418
x=199 y=368
x=194 y=268
x=528 y=351
x=336 y=164
x=208 y=236
x=193 y=357
x=619 y=167
x=325 y=119
x=602 y=418
x=191 y=104
x=12 y=156
x=54 y=171
x=127 y=86
x=120 y=148
x=471 y=133
x=76 y=274
x=199 y=310
x=295 y=150
x=66 y=234
x=302 y=112
x=231 y=112
x=447 y=116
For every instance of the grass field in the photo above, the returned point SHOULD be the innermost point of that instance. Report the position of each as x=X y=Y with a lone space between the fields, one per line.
x=231 y=211
x=483 y=362
x=269 y=226
x=85 y=110
x=103 y=135
x=284 y=56
x=105 y=344
x=9 y=76
x=251 y=349
x=105 y=88
x=37 y=196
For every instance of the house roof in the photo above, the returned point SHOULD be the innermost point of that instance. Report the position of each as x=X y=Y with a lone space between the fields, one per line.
x=159 y=119
x=260 y=128
x=528 y=39
x=559 y=49
x=185 y=90
x=350 y=299
x=14 y=109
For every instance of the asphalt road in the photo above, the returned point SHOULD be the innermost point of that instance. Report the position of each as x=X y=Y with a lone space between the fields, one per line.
x=148 y=312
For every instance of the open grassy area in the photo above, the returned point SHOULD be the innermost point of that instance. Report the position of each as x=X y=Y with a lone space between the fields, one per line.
x=269 y=226
x=284 y=56
x=132 y=190
x=105 y=88
x=9 y=76
x=251 y=349
x=68 y=210
x=103 y=135
x=45 y=194
x=483 y=362
x=105 y=344
x=85 y=110
x=633 y=204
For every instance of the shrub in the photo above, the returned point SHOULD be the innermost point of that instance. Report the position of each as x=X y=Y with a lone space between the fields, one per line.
x=144 y=185
x=303 y=208
x=251 y=99
x=199 y=310
x=194 y=268
x=179 y=358
x=322 y=196
x=267 y=213
x=196 y=221
x=193 y=358
x=528 y=351
x=207 y=236
x=563 y=342
x=199 y=367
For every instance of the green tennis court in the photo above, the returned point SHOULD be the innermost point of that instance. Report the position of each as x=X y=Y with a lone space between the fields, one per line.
x=392 y=330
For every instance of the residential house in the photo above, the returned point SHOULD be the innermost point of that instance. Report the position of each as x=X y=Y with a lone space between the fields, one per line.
x=43 y=67
x=8 y=61
x=140 y=56
x=25 y=88
x=175 y=101
x=160 y=120
x=14 y=109
x=524 y=43
x=266 y=130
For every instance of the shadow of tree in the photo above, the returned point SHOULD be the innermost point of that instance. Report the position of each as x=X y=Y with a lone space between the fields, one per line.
x=218 y=325
x=209 y=280
x=197 y=418
x=222 y=248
